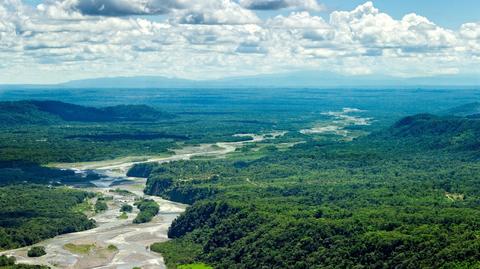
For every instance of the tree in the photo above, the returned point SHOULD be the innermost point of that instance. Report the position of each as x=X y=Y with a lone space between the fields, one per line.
x=126 y=208
x=36 y=251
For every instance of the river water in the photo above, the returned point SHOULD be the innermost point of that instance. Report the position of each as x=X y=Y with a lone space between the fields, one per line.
x=131 y=241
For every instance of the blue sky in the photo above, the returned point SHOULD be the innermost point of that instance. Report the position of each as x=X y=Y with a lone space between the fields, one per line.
x=446 y=13
x=60 y=40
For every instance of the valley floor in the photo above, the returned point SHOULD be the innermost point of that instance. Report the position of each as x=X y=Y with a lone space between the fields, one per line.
x=130 y=240
x=116 y=242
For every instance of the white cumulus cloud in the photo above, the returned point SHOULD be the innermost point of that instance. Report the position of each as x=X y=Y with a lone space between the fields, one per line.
x=71 y=39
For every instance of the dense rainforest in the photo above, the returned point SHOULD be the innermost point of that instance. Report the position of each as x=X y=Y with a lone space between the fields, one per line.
x=48 y=131
x=323 y=195
x=53 y=131
x=403 y=197
x=49 y=111
x=31 y=213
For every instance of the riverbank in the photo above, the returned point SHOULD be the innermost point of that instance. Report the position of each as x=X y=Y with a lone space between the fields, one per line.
x=117 y=242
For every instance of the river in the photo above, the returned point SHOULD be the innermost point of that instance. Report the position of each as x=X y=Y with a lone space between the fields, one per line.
x=131 y=241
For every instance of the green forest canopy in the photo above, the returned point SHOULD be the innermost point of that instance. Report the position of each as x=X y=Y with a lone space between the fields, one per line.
x=405 y=197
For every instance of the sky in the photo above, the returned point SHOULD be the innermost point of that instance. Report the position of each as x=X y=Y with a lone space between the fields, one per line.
x=52 y=41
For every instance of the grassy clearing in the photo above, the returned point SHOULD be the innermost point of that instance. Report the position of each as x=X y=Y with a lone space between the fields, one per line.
x=246 y=154
x=194 y=266
x=85 y=208
x=123 y=216
x=455 y=196
x=84 y=249
x=79 y=249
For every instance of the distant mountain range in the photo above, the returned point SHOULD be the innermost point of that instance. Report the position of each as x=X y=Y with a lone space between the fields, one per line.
x=467 y=110
x=308 y=79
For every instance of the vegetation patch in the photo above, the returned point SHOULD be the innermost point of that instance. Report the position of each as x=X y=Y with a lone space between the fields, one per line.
x=14 y=172
x=36 y=251
x=42 y=213
x=80 y=248
x=123 y=216
x=86 y=207
x=10 y=263
x=178 y=251
x=124 y=136
x=112 y=248
x=455 y=196
x=194 y=266
x=126 y=208
x=100 y=206
x=122 y=192
x=148 y=209
x=140 y=170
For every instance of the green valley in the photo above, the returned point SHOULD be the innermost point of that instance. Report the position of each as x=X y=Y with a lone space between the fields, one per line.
x=399 y=198
x=330 y=182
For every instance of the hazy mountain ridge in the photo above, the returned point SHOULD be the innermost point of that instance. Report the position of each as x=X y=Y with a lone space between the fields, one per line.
x=470 y=109
x=427 y=131
x=47 y=112
x=309 y=79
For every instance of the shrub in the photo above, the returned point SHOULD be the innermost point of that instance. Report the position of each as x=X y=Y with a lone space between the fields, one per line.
x=37 y=251
x=126 y=208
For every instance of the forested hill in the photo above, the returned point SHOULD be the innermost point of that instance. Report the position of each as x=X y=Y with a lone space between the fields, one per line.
x=401 y=198
x=464 y=110
x=426 y=131
x=49 y=112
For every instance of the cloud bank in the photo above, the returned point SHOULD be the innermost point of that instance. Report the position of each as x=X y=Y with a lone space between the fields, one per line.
x=124 y=7
x=311 y=5
x=70 y=39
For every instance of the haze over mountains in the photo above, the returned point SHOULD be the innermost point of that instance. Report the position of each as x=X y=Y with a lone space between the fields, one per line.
x=308 y=79
x=49 y=112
